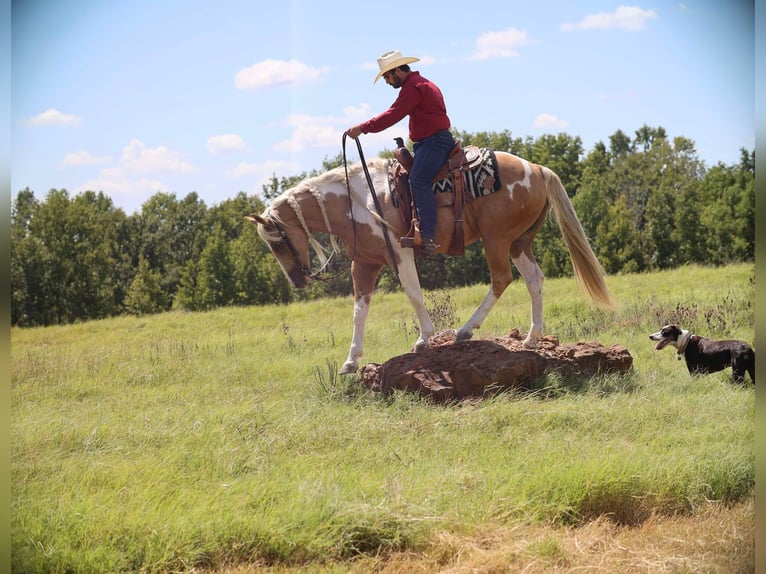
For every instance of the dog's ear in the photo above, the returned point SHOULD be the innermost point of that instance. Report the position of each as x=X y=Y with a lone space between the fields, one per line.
x=670 y=330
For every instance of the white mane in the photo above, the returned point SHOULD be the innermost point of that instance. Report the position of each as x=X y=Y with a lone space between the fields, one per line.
x=335 y=175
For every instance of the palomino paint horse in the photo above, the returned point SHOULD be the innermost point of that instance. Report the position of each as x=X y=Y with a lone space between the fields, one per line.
x=506 y=221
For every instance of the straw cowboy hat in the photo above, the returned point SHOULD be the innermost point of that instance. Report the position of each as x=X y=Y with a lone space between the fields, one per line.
x=391 y=60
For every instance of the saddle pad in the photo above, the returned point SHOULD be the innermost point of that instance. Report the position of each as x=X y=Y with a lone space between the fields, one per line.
x=479 y=181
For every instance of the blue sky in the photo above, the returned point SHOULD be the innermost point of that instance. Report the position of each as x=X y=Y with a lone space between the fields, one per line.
x=135 y=97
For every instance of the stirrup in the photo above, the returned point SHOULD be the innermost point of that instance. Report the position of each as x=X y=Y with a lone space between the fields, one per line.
x=428 y=247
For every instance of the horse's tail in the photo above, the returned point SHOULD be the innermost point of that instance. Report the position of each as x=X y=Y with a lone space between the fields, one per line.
x=587 y=270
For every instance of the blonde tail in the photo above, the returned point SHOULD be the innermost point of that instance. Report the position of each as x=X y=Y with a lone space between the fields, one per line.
x=587 y=270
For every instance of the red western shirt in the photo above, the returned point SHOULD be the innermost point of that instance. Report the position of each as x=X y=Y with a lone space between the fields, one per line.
x=419 y=98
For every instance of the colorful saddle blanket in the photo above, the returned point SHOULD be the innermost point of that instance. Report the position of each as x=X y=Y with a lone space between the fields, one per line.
x=479 y=181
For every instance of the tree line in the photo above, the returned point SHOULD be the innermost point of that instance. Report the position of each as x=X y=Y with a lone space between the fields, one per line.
x=646 y=202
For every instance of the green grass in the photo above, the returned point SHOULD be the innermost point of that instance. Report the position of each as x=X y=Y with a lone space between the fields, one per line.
x=195 y=440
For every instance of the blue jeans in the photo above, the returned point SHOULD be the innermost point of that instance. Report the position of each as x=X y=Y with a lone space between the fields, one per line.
x=429 y=155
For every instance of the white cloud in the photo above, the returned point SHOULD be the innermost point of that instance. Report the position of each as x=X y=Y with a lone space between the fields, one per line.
x=322 y=131
x=225 y=143
x=53 y=117
x=425 y=61
x=501 y=44
x=142 y=187
x=625 y=17
x=85 y=158
x=549 y=121
x=262 y=170
x=360 y=112
x=128 y=178
x=312 y=132
x=276 y=73
x=259 y=175
x=137 y=158
x=318 y=132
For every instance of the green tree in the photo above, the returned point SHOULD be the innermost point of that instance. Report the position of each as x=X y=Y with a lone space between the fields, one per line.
x=498 y=141
x=215 y=281
x=187 y=296
x=562 y=153
x=70 y=252
x=647 y=137
x=170 y=234
x=673 y=229
x=597 y=190
x=258 y=279
x=618 y=240
x=145 y=294
x=620 y=144
x=28 y=270
x=276 y=187
x=727 y=196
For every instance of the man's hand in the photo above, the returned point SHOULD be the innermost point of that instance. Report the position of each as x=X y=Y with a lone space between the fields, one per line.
x=354 y=132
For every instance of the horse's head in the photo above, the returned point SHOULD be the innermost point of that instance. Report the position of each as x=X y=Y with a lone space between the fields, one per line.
x=289 y=244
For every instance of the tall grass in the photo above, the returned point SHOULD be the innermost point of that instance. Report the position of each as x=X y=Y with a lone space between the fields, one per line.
x=194 y=440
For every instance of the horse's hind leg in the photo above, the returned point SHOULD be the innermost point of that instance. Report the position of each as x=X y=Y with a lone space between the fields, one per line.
x=533 y=277
x=500 y=269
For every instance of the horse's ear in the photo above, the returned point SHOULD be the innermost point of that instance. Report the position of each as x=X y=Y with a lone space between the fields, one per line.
x=255 y=219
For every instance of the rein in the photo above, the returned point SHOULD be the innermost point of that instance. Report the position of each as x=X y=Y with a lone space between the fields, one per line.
x=374 y=199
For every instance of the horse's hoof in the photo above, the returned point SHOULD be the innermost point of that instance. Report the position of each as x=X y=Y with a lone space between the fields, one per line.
x=348 y=368
x=463 y=335
x=420 y=346
x=527 y=344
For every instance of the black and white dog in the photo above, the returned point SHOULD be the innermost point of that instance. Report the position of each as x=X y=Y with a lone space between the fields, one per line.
x=705 y=356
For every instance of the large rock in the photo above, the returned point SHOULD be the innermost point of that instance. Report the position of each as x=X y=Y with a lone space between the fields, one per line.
x=454 y=370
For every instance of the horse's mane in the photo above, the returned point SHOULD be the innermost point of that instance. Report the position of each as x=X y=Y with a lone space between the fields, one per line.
x=335 y=175
x=312 y=184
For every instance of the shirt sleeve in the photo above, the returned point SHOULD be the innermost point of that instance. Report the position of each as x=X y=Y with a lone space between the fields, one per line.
x=408 y=99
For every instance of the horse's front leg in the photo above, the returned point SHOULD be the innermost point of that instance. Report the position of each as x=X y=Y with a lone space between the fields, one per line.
x=408 y=277
x=363 y=276
x=361 y=307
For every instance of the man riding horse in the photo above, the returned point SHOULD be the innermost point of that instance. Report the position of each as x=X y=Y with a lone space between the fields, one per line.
x=422 y=101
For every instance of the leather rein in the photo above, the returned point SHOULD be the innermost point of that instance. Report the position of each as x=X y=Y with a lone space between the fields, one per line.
x=375 y=200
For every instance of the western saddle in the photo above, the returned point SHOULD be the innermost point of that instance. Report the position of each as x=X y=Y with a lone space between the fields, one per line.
x=460 y=160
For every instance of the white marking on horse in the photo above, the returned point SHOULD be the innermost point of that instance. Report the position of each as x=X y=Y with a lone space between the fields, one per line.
x=533 y=277
x=360 y=212
x=526 y=182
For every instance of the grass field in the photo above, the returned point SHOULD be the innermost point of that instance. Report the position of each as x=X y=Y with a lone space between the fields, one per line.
x=224 y=441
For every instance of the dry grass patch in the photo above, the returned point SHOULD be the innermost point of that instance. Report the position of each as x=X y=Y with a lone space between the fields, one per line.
x=718 y=539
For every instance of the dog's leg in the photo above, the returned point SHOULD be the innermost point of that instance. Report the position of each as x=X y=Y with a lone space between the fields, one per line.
x=738 y=369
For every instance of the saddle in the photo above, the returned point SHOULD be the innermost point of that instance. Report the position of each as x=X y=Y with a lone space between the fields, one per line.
x=460 y=159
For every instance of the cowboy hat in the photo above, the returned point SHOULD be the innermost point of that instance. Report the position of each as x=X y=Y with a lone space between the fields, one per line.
x=391 y=60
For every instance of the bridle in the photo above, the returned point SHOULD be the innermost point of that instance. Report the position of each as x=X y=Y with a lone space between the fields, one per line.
x=302 y=267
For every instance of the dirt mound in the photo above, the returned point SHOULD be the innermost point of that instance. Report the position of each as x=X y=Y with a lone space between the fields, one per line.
x=455 y=370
